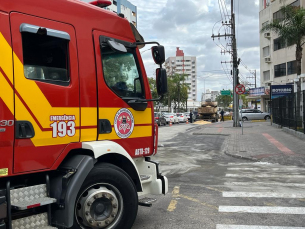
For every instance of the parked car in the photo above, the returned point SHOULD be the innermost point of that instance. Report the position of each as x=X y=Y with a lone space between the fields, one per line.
x=253 y=114
x=171 y=117
x=159 y=119
x=181 y=117
x=188 y=116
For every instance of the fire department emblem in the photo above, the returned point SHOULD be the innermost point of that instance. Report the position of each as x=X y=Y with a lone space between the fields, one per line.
x=123 y=123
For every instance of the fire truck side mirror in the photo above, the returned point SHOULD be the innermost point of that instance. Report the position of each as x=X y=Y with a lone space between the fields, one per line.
x=161 y=81
x=158 y=53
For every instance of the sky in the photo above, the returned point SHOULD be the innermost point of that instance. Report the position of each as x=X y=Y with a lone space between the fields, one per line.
x=189 y=24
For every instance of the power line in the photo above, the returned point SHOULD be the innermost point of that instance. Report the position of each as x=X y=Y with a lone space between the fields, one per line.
x=220 y=10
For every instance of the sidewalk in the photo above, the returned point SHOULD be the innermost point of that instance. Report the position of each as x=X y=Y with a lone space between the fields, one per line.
x=260 y=142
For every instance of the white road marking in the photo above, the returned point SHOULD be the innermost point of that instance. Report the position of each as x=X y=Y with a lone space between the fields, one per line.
x=251 y=163
x=265 y=175
x=223 y=226
x=263 y=194
x=269 y=168
x=251 y=184
x=263 y=210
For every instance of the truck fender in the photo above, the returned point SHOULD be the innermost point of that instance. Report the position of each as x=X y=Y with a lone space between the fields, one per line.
x=109 y=149
x=82 y=165
x=100 y=148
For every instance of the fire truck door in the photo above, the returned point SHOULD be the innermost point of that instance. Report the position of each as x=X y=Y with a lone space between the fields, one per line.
x=46 y=90
x=120 y=76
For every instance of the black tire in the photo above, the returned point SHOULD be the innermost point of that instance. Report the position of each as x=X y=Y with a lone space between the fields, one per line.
x=245 y=119
x=267 y=117
x=112 y=195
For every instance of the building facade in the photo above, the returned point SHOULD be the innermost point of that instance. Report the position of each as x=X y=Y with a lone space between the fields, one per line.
x=122 y=6
x=208 y=94
x=182 y=64
x=277 y=59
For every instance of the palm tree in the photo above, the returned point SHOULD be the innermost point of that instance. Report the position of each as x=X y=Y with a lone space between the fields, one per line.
x=291 y=30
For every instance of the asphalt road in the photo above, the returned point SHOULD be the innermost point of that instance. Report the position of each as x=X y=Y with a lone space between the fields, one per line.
x=208 y=189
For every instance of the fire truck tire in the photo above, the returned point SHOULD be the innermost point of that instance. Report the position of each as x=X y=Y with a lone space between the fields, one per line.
x=107 y=199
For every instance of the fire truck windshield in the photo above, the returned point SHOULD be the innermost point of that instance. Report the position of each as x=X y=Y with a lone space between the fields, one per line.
x=121 y=73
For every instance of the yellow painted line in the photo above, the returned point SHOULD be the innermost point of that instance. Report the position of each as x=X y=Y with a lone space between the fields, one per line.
x=263 y=120
x=172 y=205
x=214 y=189
x=176 y=191
x=176 y=194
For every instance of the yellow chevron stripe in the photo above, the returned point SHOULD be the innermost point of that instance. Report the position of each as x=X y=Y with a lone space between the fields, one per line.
x=6 y=92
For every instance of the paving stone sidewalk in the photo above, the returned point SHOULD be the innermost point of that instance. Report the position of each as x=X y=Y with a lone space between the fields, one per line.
x=260 y=141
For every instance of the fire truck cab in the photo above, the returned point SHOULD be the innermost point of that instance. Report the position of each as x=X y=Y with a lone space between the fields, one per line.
x=77 y=129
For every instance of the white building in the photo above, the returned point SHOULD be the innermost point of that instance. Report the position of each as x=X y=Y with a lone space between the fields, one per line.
x=277 y=60
x=209 y=95
x=185 y=65
x=123 y=6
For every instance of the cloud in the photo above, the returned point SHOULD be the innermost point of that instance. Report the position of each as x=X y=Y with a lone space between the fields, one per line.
x=189 y=24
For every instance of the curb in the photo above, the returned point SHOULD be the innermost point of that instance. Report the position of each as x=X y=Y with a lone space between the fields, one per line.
x=211 y=134
x=241 y=157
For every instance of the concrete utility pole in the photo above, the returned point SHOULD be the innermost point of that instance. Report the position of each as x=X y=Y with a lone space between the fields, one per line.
x=235 y=69
x=235 y=63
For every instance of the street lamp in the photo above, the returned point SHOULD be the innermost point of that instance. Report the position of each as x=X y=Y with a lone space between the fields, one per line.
x=204 y=78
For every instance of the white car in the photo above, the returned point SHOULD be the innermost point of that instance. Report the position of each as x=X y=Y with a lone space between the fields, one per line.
x=181 y=117
x=171 y=117
x=187 y=115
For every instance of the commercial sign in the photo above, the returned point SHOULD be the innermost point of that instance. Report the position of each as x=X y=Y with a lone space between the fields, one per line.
x=281 y=90
x=257 y=91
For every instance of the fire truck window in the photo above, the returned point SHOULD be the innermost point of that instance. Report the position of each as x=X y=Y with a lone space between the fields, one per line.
x=45 y=58
x=121 y=73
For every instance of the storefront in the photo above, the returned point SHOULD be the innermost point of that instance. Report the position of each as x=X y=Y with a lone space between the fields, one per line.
x=260 y=97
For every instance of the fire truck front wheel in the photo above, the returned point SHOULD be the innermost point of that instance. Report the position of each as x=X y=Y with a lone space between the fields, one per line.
x=107 y=199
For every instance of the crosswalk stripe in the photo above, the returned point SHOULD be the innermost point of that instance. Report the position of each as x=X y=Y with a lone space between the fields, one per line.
x=251 y=184
x=268 y=168
x=265 y=175
x=263 y=189
x=263 y=209
x=224 y=226
x=263 y=194
x=250 y=163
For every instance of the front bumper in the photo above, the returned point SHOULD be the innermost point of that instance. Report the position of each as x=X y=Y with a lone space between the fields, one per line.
x=154 y=182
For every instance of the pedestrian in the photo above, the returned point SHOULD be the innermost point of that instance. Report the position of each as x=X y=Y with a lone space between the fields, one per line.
x=222 y=113
x=191 y=117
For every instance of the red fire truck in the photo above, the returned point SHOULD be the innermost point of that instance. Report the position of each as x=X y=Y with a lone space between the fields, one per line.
x=77 y=127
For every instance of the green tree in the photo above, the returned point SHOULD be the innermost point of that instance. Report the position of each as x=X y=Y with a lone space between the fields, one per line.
x=291 y=29
x=153 y=89
x=179 y=90
x=224 y=100
x=243 y=97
